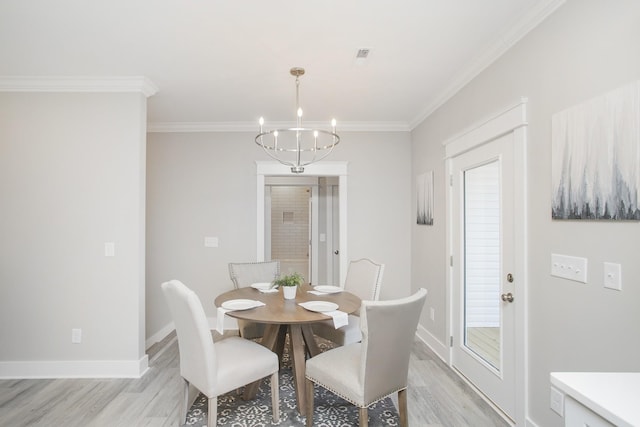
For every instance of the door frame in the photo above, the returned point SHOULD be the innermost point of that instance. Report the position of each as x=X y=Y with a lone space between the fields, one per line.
x=511 y=120
x=271 y=168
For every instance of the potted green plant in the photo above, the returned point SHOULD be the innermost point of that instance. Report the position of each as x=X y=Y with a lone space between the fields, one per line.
x=289 y=284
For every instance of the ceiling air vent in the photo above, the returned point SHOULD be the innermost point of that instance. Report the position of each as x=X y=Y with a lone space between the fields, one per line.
x=363 y=53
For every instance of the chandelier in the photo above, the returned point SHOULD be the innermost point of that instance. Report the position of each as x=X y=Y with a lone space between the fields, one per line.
x=299 y=146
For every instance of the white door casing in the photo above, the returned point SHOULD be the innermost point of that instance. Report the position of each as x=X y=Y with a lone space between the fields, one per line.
x=274 y=169
x=501 y=141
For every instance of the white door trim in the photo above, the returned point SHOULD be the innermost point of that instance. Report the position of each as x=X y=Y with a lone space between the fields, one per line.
x=512 y=119
x=268 y=168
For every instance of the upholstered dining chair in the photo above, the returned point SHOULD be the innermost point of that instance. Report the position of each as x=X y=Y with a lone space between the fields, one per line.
x=364 y=279
x=368 y=371
x=245 y=274
x=215 y=369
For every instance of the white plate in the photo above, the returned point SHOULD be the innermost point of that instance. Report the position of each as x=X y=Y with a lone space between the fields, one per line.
x=239 y=304
x=320 y=306
x=262 y=286
x=328 y=289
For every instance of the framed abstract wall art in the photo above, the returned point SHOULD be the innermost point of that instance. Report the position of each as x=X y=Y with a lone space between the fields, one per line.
x=595 y=159
x=424 y=186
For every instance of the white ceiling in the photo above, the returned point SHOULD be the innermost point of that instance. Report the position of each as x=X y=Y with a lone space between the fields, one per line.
x=226 y=63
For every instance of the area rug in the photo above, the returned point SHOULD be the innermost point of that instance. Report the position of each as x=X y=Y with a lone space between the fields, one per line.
x=329 y=409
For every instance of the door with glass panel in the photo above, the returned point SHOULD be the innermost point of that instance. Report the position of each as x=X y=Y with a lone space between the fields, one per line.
x=484 y=296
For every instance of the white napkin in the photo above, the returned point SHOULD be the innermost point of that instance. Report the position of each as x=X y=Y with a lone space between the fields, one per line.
x=220 y=319
x=269 y=291
x=222 y=311
x=317 y=293
x=340 y=318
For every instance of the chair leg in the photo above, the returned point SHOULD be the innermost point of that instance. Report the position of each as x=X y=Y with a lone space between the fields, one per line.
x=185 y=401
x=275 y=397
x=212 y=409
x=364 y=417
x=402 y=408
x=309 y=403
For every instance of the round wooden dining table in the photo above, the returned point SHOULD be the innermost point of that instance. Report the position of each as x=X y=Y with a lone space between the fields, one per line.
x=282 y=316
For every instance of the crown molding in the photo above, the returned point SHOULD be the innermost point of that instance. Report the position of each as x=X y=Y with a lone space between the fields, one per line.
x=527 y=23
x=170 y=127
x=77 y=84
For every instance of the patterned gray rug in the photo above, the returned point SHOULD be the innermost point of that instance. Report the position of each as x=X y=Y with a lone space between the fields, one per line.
x=329 y=409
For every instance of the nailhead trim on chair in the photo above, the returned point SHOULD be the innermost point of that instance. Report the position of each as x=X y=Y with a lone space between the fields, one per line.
x=351 y=401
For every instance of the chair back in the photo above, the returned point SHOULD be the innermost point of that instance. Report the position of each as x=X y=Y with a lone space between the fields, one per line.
x=388 y=330
x=197 y=351
x=364 y=279
x=245 y=273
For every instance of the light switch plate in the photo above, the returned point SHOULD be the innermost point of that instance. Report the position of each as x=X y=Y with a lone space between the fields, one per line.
x=569 y=267
x=211 y=242
x=613 y=276
x=109 y=249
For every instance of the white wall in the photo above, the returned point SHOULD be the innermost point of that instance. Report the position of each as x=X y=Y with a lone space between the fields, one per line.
x=72 y=177
x=204 y=184
x=584 y=49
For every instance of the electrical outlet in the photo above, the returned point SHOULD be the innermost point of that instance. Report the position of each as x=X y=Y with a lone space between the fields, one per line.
x=557 y=401
x=76 y=336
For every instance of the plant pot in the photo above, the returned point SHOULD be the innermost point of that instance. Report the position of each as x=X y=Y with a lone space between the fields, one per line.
x=289 y=292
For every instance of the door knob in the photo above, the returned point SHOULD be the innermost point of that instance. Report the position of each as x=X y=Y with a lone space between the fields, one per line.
x=507 y=297
x=336 y=252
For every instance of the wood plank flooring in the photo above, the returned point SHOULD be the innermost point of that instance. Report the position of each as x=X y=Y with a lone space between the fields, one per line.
x=486 y=343
x=436 y=396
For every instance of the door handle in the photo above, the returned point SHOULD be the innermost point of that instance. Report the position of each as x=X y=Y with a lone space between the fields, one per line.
x=507 y=297
x=336 y=252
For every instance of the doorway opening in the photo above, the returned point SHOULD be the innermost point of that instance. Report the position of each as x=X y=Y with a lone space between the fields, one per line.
x=327 y=218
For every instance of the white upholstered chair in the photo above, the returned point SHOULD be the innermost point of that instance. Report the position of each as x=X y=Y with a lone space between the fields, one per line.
x=244 y=274
x=364 y=279
x=215 y=369
x=366 y=372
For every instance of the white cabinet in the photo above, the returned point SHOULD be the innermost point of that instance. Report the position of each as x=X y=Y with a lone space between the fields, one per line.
x=578 y=415
x=599 y=399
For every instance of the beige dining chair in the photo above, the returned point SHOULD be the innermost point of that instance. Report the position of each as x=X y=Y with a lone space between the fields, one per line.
x=244 y=274
x=215 y=369
x=366 y=372
x=364 y=279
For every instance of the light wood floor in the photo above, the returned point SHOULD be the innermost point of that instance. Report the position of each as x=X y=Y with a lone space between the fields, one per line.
x=436 y=396
x=486 y=343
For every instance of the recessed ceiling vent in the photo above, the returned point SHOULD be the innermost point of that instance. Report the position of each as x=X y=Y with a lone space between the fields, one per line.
x=363 y=53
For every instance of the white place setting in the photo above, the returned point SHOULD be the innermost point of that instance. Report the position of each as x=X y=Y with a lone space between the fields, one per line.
x=340 y=318
x=234 y=305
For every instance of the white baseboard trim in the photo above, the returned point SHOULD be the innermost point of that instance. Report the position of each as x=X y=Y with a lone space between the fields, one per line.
x=159 y=336
x=229 y=324
x=75 y=369
x=530 y=423
x=439 y=348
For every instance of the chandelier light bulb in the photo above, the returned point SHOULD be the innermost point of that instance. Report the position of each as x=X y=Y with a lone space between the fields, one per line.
x=299 y=112
x=261 y=121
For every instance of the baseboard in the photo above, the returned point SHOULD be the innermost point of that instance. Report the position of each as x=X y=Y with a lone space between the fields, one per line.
x=75 y=369
x=530 y=423
x=159 y=336
x=439 y=348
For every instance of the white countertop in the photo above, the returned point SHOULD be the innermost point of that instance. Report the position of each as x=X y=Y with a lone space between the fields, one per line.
x=615 y=396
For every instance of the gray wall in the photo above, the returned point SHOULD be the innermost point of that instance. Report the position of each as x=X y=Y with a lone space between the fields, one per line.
x=584 y=49
x=72 y=177
x=204 y=184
